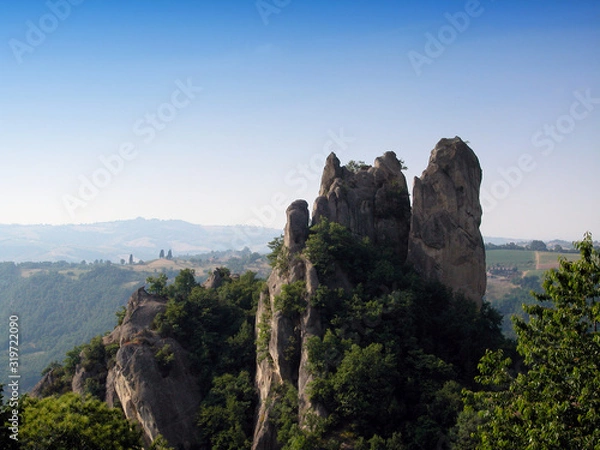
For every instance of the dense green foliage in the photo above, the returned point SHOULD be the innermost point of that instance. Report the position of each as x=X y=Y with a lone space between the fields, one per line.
x=395 y=354
x=74 y=422
x=332 y=247
x=396 y=365
x=94 y=357
x=226 y=415
x=292 y=300
x=555 y=403
x=217 y=327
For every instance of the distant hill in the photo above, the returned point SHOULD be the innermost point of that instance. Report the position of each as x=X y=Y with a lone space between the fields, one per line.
x=61 y=305
x=113 y=241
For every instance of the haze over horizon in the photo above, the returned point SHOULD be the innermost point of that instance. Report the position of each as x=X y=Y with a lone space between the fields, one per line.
x=223 y=113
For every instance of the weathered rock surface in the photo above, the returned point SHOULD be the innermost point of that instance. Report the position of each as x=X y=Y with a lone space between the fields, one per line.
x=372 y=202
x=215 y=280
x=281 y=361
x=441 y=239
x=445 y=242
x=39 y=390
x=162 y=397
x=296 y=228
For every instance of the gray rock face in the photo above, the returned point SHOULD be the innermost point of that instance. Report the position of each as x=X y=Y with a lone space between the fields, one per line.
x=162 y=399
x=372 y=202
x=445 y=242
x=285 y=358
x=296 y=228
x=215 y=280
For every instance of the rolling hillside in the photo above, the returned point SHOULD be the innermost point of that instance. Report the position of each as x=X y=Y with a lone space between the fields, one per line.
x=62 y=305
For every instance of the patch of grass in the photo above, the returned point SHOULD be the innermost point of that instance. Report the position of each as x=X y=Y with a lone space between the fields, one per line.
x=549 y=260
x=521 y=259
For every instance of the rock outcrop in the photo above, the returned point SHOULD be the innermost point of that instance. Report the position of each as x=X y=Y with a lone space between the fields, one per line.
x=372 y=202
x=215 y=279
x=161 y=395
x=156 y=390
x=150 y=376
x=445 y=242
x=284 y=358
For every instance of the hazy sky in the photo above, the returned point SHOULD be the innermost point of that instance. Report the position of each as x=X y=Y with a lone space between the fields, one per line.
x=222 y=112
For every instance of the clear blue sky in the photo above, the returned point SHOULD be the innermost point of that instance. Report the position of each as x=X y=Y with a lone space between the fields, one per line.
x=520 y=80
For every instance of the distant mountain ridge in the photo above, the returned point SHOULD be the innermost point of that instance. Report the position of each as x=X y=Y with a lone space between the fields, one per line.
x=142 y=238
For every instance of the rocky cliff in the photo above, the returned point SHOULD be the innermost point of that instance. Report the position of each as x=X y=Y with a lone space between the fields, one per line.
x=284 y=336
x=160 y=393
x=445 y=242
x=441 y=239
x=372 y=202
x=149 y=376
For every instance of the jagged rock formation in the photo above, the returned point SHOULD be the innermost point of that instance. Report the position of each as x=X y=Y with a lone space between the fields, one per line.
x=277 y=365
x=441 y=239
x=215 y=279
x=39 y=390
x=162 y=396
x=445 y=242
x=372 y=202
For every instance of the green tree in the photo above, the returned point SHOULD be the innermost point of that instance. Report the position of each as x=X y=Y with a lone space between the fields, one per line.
x=183 y=285
x=361 y=389
x=157 y=285
x=356 y=166
x=555 y=404
x=74 y=422
x=161 y=255
x=226 y=416
x=6 y=414
x=169 y=254
x=539 y=246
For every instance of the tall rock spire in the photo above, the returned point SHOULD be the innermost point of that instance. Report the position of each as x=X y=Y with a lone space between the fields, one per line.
x=445 y=242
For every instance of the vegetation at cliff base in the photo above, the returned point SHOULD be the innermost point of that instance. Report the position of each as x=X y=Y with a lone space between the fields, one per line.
x=69 y=422
x=399 y=363
x=394 y=355
x=217 y=327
